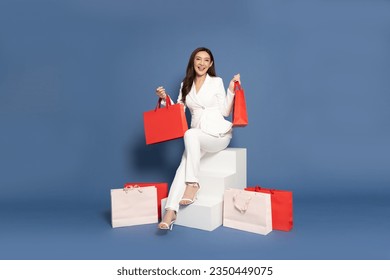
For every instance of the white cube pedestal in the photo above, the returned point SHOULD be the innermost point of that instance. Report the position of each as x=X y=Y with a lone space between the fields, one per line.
x=213 y=184
x=230 y=160
x=219 y=171
x=205 y=214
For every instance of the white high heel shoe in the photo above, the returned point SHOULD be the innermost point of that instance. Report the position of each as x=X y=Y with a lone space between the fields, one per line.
x=189 y=201
x=168 y=224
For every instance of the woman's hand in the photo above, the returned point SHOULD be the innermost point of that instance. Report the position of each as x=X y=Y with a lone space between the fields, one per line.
x=236 y=78
x=160 y=92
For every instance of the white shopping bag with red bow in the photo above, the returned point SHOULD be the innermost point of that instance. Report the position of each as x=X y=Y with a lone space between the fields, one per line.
x=133 y=206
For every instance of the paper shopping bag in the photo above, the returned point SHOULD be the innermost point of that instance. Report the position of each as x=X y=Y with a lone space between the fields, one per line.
x=240 y=115
x=133 y=206
x=162 y=191
x=164 y=124
x=248 y=211
x=282 y=207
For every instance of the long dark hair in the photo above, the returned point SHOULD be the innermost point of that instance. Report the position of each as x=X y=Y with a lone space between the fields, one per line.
x=190 y=72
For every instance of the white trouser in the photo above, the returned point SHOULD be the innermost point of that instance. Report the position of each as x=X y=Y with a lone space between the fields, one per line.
x=197 y=144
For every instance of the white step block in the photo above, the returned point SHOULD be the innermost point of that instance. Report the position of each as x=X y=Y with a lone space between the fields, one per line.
x=205 y=214
x=213 y=184
x=218 y=171
x=230 y=160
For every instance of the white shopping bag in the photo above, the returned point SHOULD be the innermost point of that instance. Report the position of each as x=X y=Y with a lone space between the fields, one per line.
x=133 y=206
x=248 y=211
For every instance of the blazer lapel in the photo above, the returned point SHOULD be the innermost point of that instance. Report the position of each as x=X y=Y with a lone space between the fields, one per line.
x=204 y=85
x=196 y=96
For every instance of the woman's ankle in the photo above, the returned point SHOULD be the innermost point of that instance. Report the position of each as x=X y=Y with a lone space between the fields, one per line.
x=170 y=211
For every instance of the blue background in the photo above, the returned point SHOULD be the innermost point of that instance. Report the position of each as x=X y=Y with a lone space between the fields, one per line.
x=75 y=77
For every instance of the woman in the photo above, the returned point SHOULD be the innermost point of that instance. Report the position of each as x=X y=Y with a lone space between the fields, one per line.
x=204 y=94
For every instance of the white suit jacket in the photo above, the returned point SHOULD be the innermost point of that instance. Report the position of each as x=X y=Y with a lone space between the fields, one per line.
x=209 y=106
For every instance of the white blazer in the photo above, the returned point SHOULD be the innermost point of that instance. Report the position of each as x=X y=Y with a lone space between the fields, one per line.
x=209 y=106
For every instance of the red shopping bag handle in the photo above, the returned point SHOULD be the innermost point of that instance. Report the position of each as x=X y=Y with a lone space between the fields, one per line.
x=258 y=188
x=168 y=102
x=237 y=86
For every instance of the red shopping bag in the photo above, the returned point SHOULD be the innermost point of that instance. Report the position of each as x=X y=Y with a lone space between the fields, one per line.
x=281 y=205
x=162 y=191
x=164 y=124
x=240 y=115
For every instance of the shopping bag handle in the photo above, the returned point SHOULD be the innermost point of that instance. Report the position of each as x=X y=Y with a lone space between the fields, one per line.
x=168 y=102
x=131 y=188
x=237 y=86
x=242 y=209
x=258 y=188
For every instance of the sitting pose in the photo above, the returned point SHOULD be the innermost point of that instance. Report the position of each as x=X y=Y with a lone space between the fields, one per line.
x=204 y=94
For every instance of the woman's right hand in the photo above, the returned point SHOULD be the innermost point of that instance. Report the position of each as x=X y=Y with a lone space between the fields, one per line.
x=160 y=92
x=236 y=78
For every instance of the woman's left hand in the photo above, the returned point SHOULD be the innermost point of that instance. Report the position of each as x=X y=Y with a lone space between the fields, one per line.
x=236 y=78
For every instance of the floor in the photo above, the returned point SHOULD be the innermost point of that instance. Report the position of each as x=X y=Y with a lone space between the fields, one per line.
x=325 y=227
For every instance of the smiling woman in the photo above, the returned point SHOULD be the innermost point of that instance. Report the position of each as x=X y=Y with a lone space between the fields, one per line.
x=200 y=63
x=204 y=94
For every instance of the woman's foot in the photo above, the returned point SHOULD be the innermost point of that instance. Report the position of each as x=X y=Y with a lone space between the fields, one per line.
x=189 y=195
x=168 y=220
